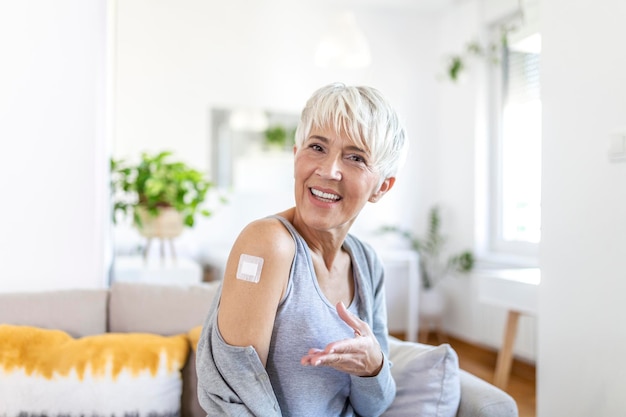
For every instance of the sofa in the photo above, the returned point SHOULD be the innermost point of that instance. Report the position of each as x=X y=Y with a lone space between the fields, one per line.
x=127 y=349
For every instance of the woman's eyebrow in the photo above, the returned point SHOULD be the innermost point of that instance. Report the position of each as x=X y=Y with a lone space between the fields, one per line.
x=354 y=148
x=321 y=138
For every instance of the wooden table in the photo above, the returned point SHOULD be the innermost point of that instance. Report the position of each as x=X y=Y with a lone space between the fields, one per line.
x=516 y=291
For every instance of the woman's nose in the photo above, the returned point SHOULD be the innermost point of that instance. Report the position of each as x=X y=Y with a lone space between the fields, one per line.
x=330 y=168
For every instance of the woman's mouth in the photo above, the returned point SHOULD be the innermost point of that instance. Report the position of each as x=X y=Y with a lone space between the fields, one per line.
x=324 y=196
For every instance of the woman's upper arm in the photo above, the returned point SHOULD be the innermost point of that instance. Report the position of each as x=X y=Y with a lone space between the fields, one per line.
x=247 y=309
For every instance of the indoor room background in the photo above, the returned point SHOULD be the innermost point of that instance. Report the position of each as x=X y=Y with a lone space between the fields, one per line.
x=81 y=81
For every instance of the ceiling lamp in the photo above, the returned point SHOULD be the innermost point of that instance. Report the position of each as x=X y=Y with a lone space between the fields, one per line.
x=344 y=45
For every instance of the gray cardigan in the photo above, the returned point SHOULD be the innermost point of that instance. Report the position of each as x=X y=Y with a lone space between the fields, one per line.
x=232 y=380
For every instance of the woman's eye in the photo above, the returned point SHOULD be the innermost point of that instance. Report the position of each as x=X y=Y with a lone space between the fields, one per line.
x=316 y=147
x=357 y=158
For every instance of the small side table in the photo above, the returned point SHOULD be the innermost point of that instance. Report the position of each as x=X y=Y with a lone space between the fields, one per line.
x=402 y=286
x=516 y=291
x=155 y=270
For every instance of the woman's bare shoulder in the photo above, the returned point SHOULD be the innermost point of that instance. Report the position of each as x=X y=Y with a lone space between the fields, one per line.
x=266 y=236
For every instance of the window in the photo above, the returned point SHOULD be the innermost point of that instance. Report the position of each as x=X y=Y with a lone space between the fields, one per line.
x=515 y=168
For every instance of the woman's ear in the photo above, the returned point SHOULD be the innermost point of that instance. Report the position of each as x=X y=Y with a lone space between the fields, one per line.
x=382 y=190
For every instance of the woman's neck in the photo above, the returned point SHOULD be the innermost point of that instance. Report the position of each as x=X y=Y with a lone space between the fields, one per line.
x=327 y=244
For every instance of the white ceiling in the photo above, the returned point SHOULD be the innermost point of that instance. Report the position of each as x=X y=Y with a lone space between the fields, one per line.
x=425 y=5
x=411 y=4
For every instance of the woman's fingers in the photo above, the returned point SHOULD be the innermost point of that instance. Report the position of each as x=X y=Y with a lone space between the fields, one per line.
x=360 y=327
x=360 y=355
x=353 y=356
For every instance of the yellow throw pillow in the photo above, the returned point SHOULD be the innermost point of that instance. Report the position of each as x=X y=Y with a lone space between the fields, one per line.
x=47 y=372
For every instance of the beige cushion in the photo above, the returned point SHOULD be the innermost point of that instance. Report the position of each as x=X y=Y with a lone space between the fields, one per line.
x=160 y=309
x=78 y=312
x=427 y=379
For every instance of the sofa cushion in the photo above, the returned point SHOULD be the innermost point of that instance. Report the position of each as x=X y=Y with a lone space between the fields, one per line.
x=47 y=372
x=427 y=380
x=80 y=312
x=160 y=309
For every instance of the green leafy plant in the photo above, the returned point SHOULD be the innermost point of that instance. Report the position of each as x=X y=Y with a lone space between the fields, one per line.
x=430 y=248
x=155 y=183
x=490 y=52
x=278 y=136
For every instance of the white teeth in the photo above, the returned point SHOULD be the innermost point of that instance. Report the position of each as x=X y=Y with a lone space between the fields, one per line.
x=325 y=196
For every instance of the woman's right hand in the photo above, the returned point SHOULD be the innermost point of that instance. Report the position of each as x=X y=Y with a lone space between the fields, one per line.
x=360 y=355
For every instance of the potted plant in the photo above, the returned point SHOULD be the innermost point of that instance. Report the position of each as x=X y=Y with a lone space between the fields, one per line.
x=163 y=196
x=432 y=267
x=278 y=137
x=430 y=249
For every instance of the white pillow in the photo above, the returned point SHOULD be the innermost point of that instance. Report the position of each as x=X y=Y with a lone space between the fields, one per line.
x=49 y=373
x=427 y=380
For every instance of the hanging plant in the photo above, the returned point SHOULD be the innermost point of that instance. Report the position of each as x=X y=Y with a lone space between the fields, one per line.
x=491 y=52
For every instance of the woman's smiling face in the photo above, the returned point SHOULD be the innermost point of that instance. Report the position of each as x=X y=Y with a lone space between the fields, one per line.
x=334 y=180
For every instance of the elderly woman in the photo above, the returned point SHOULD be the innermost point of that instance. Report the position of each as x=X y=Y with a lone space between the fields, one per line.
x=299 y=328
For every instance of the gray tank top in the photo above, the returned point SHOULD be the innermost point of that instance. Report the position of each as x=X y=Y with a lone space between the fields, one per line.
x=306 y=319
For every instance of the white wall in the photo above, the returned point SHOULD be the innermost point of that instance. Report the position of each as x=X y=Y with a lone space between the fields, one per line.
x=582 y=339
x=52 y=171
x=178 y=59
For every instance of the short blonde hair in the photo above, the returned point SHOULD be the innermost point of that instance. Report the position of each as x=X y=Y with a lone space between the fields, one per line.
x=365 y=116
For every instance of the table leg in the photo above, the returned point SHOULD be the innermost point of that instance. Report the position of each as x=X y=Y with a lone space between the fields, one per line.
x=505 y=356
x=172 y=249
x=412 y=320
x=146 y=249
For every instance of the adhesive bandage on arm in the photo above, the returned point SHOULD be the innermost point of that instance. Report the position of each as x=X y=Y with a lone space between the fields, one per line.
x=249 y=268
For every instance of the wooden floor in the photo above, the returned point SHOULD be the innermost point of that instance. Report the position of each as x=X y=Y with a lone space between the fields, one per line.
x=482 y=362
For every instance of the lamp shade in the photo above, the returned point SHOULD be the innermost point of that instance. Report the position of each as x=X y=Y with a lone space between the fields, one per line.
x=344 y=45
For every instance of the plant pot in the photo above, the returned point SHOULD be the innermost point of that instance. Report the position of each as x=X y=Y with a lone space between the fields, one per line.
x=432 y=303
x=168 y=224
